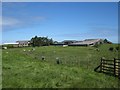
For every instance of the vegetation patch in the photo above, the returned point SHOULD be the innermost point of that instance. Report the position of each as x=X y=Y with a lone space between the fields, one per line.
x=27 y=69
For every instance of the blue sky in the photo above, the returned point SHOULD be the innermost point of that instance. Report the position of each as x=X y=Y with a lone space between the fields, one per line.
x=60 y=21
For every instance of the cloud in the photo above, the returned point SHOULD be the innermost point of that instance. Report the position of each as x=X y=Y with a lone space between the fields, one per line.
x=6 y=21
x=10 y=23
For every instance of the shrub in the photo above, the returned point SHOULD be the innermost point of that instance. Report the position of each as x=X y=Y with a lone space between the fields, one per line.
x=0 y=46
x=8 y=46
x=111 y=48
x=117 y=48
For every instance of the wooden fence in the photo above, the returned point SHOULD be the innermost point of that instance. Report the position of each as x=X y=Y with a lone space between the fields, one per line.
x=111 y=67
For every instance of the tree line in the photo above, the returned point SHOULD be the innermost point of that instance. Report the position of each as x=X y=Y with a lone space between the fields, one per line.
x=41 y=41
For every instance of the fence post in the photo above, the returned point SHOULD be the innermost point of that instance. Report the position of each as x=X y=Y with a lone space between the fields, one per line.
x=119 y=70
x=114 y=66
x=101 y=64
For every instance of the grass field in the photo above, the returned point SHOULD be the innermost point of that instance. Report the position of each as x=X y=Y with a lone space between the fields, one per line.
x=27 y=70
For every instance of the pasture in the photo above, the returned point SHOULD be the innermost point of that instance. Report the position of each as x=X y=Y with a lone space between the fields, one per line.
x=24 y=67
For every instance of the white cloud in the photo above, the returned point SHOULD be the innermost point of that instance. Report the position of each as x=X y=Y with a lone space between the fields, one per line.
x=9 y=23
x=6 y=21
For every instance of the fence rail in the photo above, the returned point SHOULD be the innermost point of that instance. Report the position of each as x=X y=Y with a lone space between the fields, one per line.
x=111 y=67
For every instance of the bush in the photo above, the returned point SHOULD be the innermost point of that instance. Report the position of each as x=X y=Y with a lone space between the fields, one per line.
x=0 y=46
x=111 y=48
x=8 y=46
x=117 y=48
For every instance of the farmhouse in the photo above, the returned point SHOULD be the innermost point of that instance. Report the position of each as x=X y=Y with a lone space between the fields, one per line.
x=87 y=42
x=23 y=43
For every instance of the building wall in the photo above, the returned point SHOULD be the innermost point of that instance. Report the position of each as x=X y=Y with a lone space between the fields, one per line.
x=15 y=45
x=23 y=43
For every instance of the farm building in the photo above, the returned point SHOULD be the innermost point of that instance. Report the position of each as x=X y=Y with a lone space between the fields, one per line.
x=67 y=42
x=23 y=43
x=87 y=42
x=11 y=44
x=58 y=44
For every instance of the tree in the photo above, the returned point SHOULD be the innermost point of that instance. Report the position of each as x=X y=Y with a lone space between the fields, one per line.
x=34 y=41
x=51 y=41
x=105 y=41
x=41 y=41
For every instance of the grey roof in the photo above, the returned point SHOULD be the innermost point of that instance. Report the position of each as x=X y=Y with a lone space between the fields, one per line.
x=23 y=42
x=90 y=39
x=86 y=42
x=69 y=41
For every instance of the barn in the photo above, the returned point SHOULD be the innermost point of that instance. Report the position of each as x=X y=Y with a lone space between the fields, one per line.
x=87 y=42
x=67 y=42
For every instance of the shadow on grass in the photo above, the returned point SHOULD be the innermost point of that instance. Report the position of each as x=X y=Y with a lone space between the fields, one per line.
x=107 y=73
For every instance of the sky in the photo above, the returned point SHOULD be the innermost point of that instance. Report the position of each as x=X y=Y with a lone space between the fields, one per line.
x=59 y=21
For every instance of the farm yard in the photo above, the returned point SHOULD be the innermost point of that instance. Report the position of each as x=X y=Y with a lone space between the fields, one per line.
x=39 y=68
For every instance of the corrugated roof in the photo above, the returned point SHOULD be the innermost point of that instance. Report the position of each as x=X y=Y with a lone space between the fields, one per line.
x=23 y=42
x=69 y=41
x=85 y=42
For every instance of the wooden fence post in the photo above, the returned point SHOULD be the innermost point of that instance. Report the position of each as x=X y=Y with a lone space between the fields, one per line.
x=119 y=70
x=114 y=66
x=101 y=64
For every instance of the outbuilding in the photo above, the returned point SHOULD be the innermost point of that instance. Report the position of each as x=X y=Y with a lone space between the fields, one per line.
x=11 y=44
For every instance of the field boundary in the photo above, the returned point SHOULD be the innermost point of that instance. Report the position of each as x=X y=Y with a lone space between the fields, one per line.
x=111 y=67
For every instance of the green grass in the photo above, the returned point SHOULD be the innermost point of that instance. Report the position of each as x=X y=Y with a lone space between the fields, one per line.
x=27 y=70
x=0 y=69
